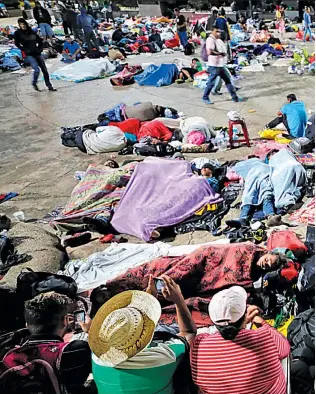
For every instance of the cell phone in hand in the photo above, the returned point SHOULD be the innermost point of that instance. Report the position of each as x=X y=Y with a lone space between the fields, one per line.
x=79 y=316
x=160 y=284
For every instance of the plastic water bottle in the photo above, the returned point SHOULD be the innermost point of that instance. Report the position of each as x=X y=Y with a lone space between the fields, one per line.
x=221 y=142
x=168 y=113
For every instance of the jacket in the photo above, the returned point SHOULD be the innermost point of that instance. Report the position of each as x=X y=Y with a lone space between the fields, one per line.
x=29 y=42
x=44 y=18
x=86 y=22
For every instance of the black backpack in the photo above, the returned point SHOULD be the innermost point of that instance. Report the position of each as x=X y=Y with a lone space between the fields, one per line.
x=189 y=49
x=301 y=335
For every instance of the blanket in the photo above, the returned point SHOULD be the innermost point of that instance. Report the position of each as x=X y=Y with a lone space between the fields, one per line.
x=97 y=193
x=161 y=193
x=154 y=129
x=104 y=139
x=199 y=275
x=162 y=75
x=284 y=178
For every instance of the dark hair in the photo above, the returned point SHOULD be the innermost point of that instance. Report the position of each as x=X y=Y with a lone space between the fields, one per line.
x=223 y=13
x=291 y=97
x=44 y=314
x=231 y=331
x=67 y=36
x=176 y=10
x=196 y=59
x=281 y=260
x=115 y=163
x=215 y=12
x=22 y=20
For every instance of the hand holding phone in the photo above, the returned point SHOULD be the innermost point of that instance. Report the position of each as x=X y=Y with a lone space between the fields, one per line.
x=160 y=284
x=79 y=317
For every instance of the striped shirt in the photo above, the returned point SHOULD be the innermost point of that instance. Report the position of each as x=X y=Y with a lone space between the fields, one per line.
x=250 y=364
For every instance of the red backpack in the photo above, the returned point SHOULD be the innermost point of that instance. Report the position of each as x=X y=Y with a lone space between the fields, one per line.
x=32 y=368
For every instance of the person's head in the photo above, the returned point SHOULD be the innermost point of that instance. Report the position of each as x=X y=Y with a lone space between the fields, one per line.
x=195 y=60
x=23 y=25
x=227 y=311
x=124 y=326
x=291 y=97
x=207 y=170
x=223 y=13
x=38 y=4
x=177 y=11
x=215 y=12
x=119 y=26
x=48 y=313
x=83 y=11
x=111 y=164
x=68 y=38
x=308 y=10
x=271 y=261
x=216 y=32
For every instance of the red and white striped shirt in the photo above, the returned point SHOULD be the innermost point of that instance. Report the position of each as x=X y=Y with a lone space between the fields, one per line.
x=250 y=364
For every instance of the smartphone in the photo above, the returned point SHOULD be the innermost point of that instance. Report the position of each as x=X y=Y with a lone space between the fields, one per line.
x=79 y=316
x=160 y=284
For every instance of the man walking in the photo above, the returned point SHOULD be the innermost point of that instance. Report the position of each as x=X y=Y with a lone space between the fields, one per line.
x=87 y=23
x=181 y=27
x=216 y=63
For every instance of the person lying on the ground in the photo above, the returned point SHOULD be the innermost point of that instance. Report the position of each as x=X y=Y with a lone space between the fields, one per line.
x=293 y=115
x=187 y=73
x=111 y=164
x=71 y=50
x=235 y=359
x=49 y=317
x=207 y=171
x=126 y=351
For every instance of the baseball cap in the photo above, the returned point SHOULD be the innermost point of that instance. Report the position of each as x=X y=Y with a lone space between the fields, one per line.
x=228 y=306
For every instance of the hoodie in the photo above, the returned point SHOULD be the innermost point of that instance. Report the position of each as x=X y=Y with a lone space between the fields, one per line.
x=86 y=22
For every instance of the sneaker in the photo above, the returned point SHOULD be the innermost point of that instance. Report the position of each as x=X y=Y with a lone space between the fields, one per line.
x=238 y=99
x=35 y=87
x=207 y=101
x=274 y=220
x=216 y=93
x=188 y=80
x=51 y=89
x=178 y=81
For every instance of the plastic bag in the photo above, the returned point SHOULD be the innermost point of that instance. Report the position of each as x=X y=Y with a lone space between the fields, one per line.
x=269 y=134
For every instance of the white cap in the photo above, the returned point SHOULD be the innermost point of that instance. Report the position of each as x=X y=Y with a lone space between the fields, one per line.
x=228 y=306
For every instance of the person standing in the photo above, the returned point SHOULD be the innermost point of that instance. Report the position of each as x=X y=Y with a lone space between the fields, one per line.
x=87 y=23
x=307 y=24
x=43 y=20
x=31 y=46
x=222 y=24
x=181 y=27
x=216 y=62
x=211 y=20
x=71 y=17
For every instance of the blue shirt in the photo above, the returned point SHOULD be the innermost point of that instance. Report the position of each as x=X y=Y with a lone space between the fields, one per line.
x=296 y=117
x=71 y=47
x=307 y=19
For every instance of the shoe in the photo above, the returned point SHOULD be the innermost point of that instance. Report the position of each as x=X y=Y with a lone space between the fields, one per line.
x=188 y=80
x=51 y=89
x=35 y=87
x=236 y=223
x=207 y=101
x=179 y=81
x=216 y=93
x=274 y=220
x=238 y=99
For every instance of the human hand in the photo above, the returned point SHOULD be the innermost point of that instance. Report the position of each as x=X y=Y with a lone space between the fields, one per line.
x=252 y=312
x=171 y=291
x=257 y=321
x=151 y=287
x=86 y=324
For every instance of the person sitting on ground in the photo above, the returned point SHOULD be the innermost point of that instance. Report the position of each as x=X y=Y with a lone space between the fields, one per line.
x=43 y=20
x=125 y=352
x=48 y=318
x=235 y=359
x=207 y=171
x=293 y=115
x=156 y=38
x=118 y=34
x=242 y=25
x=187 y=73
x=71 y=50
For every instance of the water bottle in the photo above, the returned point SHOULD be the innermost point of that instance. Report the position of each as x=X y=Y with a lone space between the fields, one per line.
x=168 y=113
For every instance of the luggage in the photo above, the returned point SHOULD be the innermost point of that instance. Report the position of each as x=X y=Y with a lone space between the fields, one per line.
x=189 y=49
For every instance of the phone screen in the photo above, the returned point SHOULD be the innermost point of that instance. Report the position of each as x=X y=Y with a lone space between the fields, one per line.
x=79 y=316
x=160 y=284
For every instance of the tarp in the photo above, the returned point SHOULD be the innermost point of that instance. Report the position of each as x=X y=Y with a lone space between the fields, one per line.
x=84 y=70
x=162 y=75
x=160 y=193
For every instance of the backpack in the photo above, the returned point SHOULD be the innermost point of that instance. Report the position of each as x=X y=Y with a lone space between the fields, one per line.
x=189 y=49
x=32 y=368
x=159 y=150
x=204 y=54
x=301 y=145
x=301 y=335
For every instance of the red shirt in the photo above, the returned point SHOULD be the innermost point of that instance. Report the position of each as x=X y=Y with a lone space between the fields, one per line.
x=250 y=364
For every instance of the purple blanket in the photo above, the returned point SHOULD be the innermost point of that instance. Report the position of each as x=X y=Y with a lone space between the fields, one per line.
x=160 y=193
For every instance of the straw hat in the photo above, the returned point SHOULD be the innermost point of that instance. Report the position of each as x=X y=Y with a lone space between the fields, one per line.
x=124 y=326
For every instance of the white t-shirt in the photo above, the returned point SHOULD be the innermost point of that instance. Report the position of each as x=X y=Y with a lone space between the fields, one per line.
x=216 y=45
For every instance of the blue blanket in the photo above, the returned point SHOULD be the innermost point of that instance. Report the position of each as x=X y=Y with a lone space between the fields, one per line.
x=162 y=75
x=284 y=178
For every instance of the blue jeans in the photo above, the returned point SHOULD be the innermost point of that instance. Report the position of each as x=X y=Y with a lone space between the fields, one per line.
x=214 y=73
x=38 y=63
x=218 y=81
x=183 y=38
x=267 y=207
x=307 y=29
x=46 y=30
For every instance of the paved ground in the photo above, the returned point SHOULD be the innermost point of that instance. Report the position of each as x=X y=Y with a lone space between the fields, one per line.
x=35 y=164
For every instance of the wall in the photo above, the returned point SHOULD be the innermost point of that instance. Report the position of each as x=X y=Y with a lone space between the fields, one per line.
x=149 y=9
